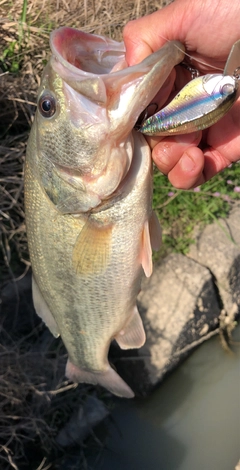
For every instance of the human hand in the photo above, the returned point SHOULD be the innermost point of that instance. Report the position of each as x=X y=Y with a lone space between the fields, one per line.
x=208 y=29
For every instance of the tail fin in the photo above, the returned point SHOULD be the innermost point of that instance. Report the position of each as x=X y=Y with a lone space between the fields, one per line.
x=108 y=379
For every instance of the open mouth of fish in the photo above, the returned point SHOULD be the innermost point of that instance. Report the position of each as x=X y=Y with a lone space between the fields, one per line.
x=96 y=67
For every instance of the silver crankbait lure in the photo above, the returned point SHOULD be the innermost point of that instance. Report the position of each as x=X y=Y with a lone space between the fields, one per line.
x=201 y=103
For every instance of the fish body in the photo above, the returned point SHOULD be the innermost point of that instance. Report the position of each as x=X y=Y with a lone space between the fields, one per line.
x=88 y=198
x=201 y=103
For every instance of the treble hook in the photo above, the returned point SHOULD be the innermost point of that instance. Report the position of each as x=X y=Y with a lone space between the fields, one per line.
x=194 y=72
x=236 y=73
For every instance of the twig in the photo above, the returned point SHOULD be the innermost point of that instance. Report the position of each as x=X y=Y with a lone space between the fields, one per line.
x=197 y=342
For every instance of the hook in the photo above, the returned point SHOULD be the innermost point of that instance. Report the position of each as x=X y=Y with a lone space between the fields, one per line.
x=145 y=115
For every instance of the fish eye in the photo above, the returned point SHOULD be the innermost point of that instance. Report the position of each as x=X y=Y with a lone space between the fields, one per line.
x=227 y=89
x=47 y=105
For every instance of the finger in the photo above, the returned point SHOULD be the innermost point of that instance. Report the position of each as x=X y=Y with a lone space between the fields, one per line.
x=138 y=42
x=223 y=141
x=188 y=171
x=214 y=163
x=146 y=35
x=167 y=152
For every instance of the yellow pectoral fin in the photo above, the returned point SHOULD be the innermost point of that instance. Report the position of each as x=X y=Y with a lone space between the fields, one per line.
x=92 y=250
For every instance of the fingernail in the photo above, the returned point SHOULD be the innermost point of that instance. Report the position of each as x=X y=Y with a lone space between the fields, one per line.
x=187 y=163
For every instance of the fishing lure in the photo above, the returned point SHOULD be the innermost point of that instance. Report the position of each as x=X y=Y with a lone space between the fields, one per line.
x=201 y=103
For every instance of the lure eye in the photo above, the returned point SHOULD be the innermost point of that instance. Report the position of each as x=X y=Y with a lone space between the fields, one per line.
x=227 y=89
x=47 y=105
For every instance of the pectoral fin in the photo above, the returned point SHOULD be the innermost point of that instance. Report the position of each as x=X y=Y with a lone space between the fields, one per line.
x=133 y=334
x=146 y=253
x=42 y=309
x=92 y=249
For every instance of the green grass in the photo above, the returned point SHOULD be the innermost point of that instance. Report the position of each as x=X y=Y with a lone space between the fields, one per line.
x=12 y=55
x=180 y=211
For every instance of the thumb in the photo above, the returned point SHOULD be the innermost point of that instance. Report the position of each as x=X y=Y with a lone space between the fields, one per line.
x=147 y=34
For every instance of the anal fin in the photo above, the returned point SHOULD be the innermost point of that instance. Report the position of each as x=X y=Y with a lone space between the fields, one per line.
x=133 y=335
x=108 y=379
x=42 y=309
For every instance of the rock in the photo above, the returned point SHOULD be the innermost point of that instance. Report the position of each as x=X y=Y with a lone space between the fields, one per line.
x=179 y=306
x=218 y=248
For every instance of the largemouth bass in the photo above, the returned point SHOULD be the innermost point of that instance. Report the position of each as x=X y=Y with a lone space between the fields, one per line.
x=88 y=198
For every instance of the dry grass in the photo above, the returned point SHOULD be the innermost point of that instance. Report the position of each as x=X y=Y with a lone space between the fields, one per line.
x=33 y=401
x=12 y=227
x=25 y=404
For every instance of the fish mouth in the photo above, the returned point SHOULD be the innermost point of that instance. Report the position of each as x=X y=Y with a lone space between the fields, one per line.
x=95 y=66
x=85 y=61
x=69 y=47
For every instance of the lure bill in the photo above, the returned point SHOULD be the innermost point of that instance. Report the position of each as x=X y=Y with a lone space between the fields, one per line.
x=233 y=61
x=200 y=104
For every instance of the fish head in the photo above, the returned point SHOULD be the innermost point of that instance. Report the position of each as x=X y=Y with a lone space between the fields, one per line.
x=88 y=104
